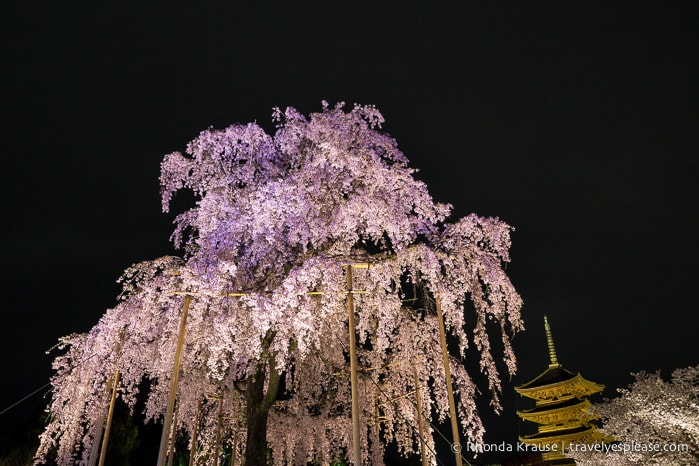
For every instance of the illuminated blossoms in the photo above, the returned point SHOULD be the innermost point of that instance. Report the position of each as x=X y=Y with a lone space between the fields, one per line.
x=277 y=220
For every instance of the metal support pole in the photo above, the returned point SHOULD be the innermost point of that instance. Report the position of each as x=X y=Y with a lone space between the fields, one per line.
x=456 y=445
x=173 y=385
x=108 y=427
x=356 y=444
x=418 y=401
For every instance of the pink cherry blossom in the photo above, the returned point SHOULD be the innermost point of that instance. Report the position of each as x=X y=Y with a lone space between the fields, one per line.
x=277 y=219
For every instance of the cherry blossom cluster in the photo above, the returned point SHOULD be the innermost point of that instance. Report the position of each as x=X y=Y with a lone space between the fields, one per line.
x=653 y=422
x=277 y=223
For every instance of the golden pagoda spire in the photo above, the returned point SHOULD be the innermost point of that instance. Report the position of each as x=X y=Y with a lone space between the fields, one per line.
x=549 y=340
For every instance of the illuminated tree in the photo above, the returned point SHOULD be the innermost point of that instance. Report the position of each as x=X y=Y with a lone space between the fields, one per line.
x=279 y=224
x=655 y=421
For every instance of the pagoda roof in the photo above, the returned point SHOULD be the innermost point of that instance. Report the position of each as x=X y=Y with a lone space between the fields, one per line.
x=547 y=408
x=557 y=383
x=561 y=462
x=556 y=435
x=554 y=374
x=580 y=434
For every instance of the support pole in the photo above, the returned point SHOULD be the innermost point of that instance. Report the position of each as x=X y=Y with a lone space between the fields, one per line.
x=218 y=431
x=99 y=429
x=173 y=385
x=108 y=427
x=377 y=414
x=195 y=434
x=356 y=444
x=234 y=454
x=173 y=437
x=456 y=445
x=418 y=401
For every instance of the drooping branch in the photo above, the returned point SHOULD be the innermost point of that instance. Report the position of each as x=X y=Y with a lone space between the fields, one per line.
x=276 y=220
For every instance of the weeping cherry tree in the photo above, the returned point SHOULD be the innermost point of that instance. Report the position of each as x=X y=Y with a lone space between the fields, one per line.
x=289 y=235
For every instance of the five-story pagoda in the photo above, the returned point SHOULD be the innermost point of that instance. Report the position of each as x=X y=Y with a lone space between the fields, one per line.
x=561 y=409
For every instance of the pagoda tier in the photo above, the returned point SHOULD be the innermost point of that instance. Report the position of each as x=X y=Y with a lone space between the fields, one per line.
x=561 y=409
x=559 y=412
x=563 y=435
x=553 y=441
x=556 y=383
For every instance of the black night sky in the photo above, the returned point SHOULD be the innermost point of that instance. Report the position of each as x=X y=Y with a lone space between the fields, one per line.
x=576 y=123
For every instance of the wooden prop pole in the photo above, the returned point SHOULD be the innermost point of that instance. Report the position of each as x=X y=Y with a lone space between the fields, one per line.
x=456 y=445
x=171 y=455
x=195 y=434
x=234 y=454
x=356 y=444
x=110 y=415
x=418 y=401
x=218 y=431
x=173 y=385
x=99 y=429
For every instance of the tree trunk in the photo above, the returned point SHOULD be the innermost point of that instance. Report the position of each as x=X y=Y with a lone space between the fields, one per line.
x=259 y=403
